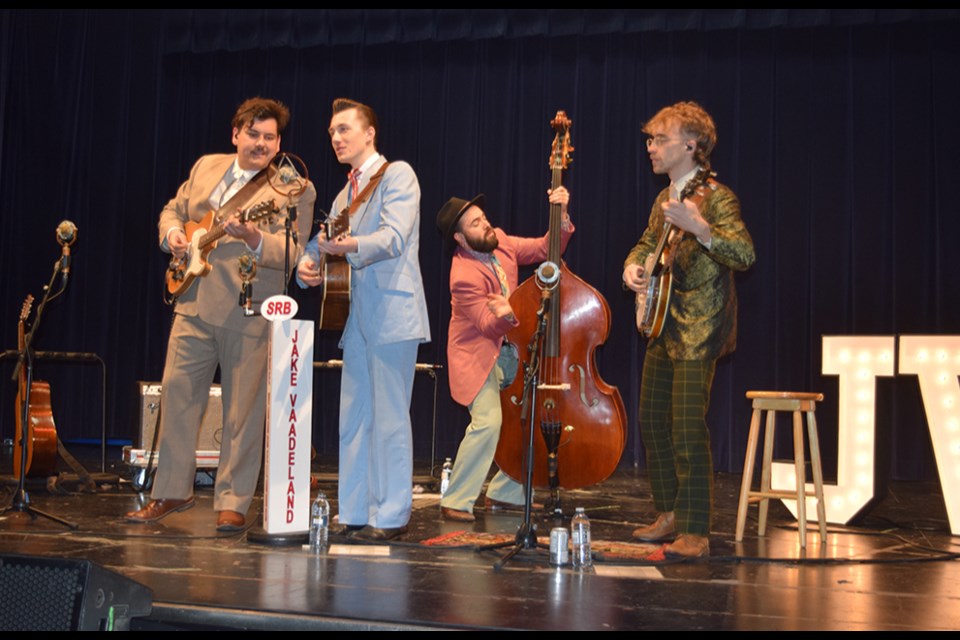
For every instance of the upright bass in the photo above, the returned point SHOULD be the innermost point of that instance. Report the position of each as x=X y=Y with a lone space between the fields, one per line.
x=579 y=418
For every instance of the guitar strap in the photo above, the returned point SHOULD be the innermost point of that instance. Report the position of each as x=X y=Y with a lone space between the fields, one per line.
x=367 y=190
x=241 y=196
x=697 y=197
x=699 y=194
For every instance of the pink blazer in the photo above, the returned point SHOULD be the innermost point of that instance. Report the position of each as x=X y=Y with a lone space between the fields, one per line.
x=475 y=334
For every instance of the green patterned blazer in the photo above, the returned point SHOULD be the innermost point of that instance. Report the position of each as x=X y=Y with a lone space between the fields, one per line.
x=701 y=321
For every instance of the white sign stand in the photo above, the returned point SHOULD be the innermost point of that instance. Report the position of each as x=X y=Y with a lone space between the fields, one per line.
x=286 y=493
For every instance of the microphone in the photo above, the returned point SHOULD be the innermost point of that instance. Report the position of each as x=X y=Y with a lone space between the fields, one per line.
x=66 y=236
x=292 y=173
x=548 y=273
x=247 y=266
x=288 y=174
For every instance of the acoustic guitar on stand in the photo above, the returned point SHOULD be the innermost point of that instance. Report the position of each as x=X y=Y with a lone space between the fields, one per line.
x=39 y=434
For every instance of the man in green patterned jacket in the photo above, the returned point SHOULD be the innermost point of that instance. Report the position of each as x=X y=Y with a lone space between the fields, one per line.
x=699 y=324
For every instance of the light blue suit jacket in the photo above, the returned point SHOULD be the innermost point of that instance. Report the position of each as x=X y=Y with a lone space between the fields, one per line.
x=387 y=303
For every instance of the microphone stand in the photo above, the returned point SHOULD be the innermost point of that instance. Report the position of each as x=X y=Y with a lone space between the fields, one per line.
x=21 y=499
x=288 y=231
x=526 y=537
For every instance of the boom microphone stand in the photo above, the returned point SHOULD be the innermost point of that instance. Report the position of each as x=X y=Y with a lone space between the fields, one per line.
x=21 y=499
x=526 y=537
x=288 y=174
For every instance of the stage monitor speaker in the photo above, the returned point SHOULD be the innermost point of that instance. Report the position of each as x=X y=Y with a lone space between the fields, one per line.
x=211 y=427
x=57 y=594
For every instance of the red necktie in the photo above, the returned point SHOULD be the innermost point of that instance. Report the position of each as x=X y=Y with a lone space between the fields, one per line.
x=354 y=176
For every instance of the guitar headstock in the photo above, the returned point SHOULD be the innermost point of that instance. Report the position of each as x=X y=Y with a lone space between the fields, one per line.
x=697 y=183
x=561 y=149
x=337 y=225
x=261 y=213
x=25 y=309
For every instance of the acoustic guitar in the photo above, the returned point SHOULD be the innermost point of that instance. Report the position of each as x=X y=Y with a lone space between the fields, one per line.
x=335 y=278
x=334 y=269
x=41 y=437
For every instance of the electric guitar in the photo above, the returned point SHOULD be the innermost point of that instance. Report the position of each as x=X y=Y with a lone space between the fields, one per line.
x=203 y=237
x=653 y=301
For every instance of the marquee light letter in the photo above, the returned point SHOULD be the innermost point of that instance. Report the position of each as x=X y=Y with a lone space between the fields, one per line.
x=858 y=360
x=936 y=362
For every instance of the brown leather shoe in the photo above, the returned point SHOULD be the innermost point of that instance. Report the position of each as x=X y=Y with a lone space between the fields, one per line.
x=663 y=527
x=688 y=545
x=376 y=534
x=456 y=515
x=158 y=509
x=229 y=521
x=346 y=530
x=495 y=505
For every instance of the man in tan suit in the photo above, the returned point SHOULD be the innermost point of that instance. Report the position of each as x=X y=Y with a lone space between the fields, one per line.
x=210 y=328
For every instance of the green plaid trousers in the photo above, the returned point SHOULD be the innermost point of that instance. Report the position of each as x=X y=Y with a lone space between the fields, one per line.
x=674 y=397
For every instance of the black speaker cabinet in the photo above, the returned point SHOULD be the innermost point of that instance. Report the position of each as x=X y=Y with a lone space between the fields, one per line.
x=57 y=594
x=211 y=427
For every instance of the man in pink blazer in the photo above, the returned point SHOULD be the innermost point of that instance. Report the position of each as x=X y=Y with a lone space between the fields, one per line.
x=482 y=277
x=210 y=328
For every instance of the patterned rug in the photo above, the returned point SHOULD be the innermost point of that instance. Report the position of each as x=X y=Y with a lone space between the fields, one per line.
x=603 y=550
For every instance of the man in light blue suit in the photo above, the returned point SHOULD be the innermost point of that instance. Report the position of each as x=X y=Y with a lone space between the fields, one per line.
x=386 y=323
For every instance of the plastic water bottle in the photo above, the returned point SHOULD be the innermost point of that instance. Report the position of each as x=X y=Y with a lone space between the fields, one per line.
x=445 y=474
x=580 y=537
x=319 y=523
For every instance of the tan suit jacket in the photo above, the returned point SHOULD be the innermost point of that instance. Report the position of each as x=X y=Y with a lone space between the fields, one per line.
x=214 y=297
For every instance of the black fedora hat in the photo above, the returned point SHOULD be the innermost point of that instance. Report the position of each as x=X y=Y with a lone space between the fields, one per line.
x=451 y=212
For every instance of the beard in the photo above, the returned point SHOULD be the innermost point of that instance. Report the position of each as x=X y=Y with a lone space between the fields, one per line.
x=484 y=245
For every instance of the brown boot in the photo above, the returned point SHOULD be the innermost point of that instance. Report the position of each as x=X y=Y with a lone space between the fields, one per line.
x=663 y=527
x=688 y=545
x=456 y=515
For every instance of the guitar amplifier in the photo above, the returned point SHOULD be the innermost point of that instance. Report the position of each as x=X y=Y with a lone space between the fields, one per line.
x=211 y=427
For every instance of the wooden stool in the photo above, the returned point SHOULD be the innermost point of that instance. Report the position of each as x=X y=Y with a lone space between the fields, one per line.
x=771 y=402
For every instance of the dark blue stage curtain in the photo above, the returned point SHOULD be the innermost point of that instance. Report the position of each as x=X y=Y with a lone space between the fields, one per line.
x=838 y=131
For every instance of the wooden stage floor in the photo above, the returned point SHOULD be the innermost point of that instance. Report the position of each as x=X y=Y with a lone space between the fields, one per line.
x=896 y=570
